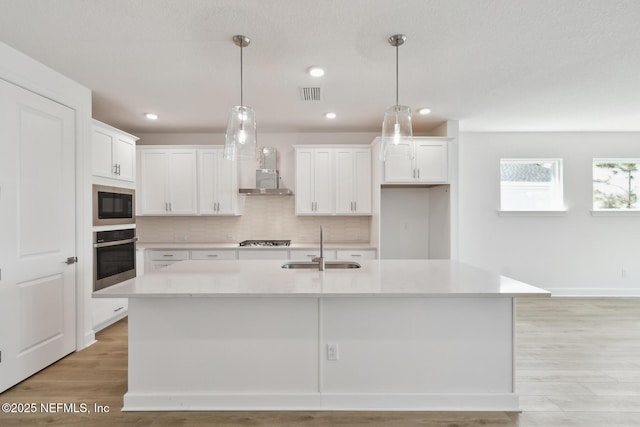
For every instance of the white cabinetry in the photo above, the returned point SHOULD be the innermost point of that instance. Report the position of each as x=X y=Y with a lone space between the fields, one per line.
x=282 y=254
x=106 y=311
x=309 y=254
x=425 y=162
x=167 y=184
x=314 y=181
x=356 y=254
x=217 y=183
x=353 y=181
x=162 y=258
x=333 y=180
x=113 y=152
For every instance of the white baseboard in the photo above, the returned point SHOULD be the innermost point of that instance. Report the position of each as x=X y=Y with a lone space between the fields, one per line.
x=500 y=402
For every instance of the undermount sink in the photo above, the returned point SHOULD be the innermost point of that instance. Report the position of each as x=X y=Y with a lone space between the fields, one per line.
x=314 y=265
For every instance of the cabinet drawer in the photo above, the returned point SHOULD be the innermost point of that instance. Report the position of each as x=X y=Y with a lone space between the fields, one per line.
x=308 y=254
x=263 y=254
x=356 y=254
x=168 y=255
x=155 y=265
x=214 y=254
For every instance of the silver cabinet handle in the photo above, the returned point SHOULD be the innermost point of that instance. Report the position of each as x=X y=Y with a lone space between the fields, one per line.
x=166 y=206
x=212 y=255
x=418 y=173
x=115 y=169
x=167 y=255
x=170 y=207
x=356 y=255
x=355 y=206
x=118 y=168
x=118 y=309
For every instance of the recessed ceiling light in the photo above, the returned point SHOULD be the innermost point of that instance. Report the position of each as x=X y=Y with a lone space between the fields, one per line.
x=151 y=116
x=316 y=72
x=330 y=116
x=424 y=111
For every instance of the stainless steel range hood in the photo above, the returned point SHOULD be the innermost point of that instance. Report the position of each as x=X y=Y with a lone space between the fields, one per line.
x=267 y=177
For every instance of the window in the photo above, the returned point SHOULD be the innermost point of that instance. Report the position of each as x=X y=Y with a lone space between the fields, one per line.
x=531 y=185
x=615 y=184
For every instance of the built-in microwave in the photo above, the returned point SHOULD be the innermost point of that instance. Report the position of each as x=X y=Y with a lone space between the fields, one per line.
x=113 y=205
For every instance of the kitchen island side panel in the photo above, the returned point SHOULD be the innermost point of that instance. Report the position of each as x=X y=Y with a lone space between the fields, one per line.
x=223 y=345
x=247 y=353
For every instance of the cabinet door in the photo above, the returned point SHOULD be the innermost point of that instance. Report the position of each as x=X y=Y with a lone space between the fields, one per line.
x=398 y=166
x=323 y=181
x=207 y=181
x=182 y=182
x=101 y=143
x=345 y=181
x=304 y=182
x=431 y=161
x=154 y=175
x=124 y=156
x=226 y=179
x=362 y=181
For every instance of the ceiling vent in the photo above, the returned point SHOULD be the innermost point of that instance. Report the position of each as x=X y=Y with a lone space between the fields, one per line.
x=310 y=93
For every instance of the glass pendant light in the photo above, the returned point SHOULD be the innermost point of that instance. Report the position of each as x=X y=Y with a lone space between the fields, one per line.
x=241 y=140
x=396 y=126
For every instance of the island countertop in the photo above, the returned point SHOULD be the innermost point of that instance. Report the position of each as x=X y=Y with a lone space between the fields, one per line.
x=266 y=278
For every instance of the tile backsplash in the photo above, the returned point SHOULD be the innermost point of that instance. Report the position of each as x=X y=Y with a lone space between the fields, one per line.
x=263 y=217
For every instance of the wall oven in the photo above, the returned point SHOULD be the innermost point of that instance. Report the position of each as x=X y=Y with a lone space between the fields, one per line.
x=114 y=257
x=113 y=205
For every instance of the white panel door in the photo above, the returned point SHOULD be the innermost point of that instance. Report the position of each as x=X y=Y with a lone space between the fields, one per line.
x=207 y=182
x=154 y=172
x=398 y=166
x=431 y=161
x=101 y=153
x=304 y=182
x=226 y=184
x=345 y=184
x=124 y=155
x=362 y=180
x=323 y=181
x=182 y=182
x=37 y=229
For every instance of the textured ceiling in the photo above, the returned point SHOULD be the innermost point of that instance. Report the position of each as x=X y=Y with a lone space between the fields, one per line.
x=520 y=65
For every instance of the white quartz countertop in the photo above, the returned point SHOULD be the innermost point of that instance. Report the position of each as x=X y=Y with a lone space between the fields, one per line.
x=266 y=278
x=213 y=245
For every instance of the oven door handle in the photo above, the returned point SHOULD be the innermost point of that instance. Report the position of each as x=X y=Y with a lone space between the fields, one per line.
x=117 y=242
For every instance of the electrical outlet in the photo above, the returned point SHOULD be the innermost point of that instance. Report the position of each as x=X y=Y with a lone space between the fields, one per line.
x=332 y=352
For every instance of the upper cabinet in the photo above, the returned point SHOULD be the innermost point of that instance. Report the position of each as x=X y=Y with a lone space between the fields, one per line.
x=333 y=180
x=167 y=182
x=113 y=152
x=314 y=181
x=353 y=181
x=186 y=181
x=217 y=183
x=426 y=162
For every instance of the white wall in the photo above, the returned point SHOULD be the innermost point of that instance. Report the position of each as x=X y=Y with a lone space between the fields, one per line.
x=572 y=254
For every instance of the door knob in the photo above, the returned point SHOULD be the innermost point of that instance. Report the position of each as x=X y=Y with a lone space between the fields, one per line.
x=72 y=260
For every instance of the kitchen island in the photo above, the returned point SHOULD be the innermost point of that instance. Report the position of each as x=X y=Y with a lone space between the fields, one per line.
x=250 y=335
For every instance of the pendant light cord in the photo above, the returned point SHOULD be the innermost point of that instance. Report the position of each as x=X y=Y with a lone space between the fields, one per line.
x=241 y=94
x=396 y=73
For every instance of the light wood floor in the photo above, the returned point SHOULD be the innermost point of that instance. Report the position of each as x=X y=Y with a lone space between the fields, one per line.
x=578 y=364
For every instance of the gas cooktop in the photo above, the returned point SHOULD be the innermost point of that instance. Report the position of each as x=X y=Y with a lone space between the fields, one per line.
x=265 y=243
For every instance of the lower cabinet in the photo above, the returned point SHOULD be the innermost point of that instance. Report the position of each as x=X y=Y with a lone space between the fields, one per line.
x=282 y=254
x=159 y=258
x=309 y=254
x=107 y=311
x=364 y=254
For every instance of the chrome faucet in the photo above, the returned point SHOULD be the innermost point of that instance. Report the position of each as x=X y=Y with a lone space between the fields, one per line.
x=320 y=259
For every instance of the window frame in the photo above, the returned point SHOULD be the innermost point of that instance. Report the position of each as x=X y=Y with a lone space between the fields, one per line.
x=558 y=177
x=613 y=211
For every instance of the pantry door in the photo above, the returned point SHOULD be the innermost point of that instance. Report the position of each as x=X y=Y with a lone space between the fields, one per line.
x=37 y=233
